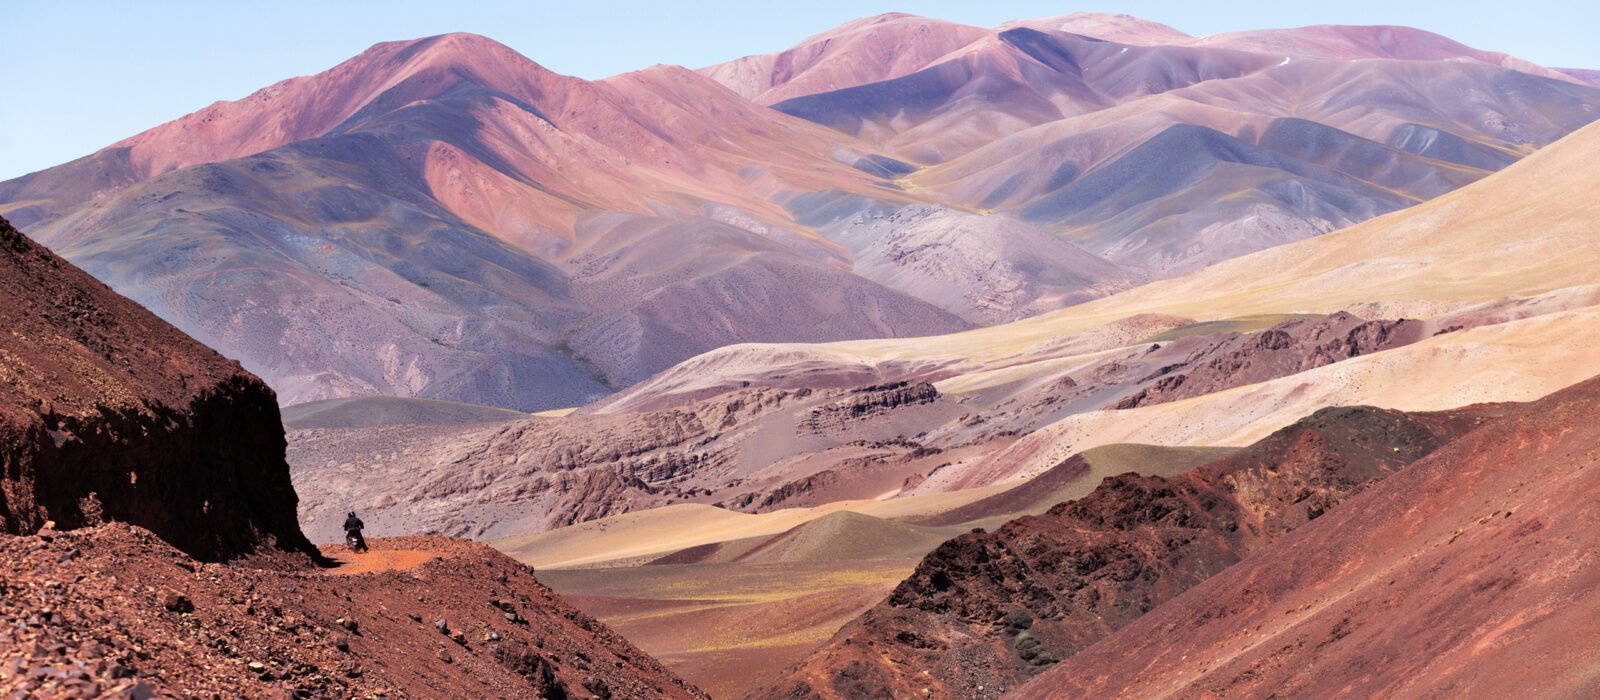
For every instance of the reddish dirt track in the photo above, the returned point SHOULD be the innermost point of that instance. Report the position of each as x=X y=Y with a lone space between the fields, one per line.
x=375 y=560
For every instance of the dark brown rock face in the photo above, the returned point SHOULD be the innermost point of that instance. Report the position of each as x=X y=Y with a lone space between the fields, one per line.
x=988 y=610
x=108 y=413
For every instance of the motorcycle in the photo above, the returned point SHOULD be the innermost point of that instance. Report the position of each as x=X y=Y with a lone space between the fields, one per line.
x=355 y=542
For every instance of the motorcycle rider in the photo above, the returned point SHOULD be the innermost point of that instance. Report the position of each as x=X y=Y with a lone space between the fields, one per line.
x=352 y=532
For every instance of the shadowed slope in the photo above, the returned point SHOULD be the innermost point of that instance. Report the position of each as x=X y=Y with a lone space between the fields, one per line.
x=1122 y=29
x=395 y=297
x=986 y=269
x=1125 y=209
x=737 y=286
x=836 y=537
x=1523 y=231
x=1075 y=478
x=1006 y=82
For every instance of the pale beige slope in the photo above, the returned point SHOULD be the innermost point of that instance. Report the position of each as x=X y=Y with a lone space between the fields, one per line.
x=1530 y=228
x=1516 y=361
x=657 y=531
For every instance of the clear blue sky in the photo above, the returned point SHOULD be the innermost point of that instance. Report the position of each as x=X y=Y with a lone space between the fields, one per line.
x=76 y=76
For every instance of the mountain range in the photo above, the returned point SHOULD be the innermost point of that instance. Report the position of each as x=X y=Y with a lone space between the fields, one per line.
x=445 y=218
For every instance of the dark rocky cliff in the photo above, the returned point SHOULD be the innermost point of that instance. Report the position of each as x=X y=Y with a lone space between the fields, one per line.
x=108 y=413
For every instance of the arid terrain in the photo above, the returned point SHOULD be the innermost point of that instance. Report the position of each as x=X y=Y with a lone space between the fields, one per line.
x=997 y=428
x=1071 y=357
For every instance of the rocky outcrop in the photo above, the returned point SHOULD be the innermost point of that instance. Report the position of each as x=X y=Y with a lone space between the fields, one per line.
x=108 y=413
x=867 y=402
x=526 y=475
x=988 y=610
x=597 y=493
x=757 y=501
x=1288 y=348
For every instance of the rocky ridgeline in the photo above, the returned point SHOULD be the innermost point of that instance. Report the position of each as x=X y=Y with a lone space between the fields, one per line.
x=1185 y=365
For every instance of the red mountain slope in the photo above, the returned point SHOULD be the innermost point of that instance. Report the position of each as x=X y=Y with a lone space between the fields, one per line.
x=1467 y=574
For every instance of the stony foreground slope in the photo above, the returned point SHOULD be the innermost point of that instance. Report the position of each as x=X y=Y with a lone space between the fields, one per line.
x=986 y=611
x=1468 y=574
x=112 y=609
x=109 y=413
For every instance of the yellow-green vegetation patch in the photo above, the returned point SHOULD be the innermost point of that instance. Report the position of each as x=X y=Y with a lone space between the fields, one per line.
x=1240 y=324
